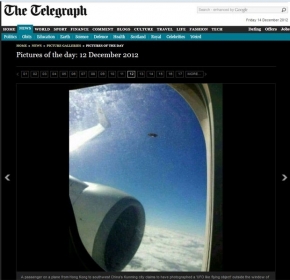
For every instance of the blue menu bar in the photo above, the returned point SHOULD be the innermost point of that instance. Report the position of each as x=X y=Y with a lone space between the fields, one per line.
x=26 y=33
x=27 y=36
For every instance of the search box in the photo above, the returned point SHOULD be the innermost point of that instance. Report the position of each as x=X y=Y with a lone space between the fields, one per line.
x=242 y=9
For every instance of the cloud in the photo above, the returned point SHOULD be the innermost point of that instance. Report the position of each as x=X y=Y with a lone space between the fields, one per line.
x=165 y=250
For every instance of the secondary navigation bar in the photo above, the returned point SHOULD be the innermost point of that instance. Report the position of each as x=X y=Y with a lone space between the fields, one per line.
x=251 y=33
x=146 y=37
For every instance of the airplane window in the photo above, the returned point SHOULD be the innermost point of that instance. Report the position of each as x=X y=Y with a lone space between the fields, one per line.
x=145 y=142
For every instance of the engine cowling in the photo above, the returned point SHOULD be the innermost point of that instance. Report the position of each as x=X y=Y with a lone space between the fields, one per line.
x=110 y=223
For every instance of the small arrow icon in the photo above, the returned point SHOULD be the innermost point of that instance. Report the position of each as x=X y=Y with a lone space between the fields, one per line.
x=7 y=177
x=284 y=177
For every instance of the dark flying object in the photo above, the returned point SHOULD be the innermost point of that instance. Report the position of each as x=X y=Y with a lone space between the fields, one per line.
x=152 y=134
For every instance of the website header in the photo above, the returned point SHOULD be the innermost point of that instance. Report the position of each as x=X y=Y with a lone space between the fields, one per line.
x=147 y=14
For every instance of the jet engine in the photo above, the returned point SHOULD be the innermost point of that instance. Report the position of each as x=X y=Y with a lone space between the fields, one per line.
x=110 y=223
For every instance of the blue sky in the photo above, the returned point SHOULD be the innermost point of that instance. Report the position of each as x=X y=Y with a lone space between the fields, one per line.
x=167 y=174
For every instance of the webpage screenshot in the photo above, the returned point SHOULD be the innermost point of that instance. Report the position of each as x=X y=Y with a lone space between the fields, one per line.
x=144 y=140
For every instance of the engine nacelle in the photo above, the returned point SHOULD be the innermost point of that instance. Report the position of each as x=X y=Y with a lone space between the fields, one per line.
x=110 y=223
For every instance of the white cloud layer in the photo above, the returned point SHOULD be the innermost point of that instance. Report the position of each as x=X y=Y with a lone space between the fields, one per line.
x=166 y=250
